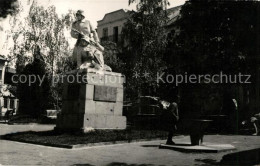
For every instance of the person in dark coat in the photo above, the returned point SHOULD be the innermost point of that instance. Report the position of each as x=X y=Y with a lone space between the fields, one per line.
x=170 y=117
x=230 y=108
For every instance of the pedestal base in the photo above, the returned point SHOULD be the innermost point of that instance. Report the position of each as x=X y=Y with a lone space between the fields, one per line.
x=96 y=103
x=105 y=121
x=80 y=121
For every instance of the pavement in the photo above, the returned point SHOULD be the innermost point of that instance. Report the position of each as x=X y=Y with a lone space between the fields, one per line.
x=128 y=154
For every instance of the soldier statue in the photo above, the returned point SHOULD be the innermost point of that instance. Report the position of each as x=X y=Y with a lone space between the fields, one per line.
x=87 y=53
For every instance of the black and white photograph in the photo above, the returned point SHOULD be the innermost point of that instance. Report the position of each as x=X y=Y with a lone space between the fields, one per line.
x=130 y=82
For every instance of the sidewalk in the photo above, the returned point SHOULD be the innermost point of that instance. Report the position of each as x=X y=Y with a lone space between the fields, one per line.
x=137 y=154
x=5 y=128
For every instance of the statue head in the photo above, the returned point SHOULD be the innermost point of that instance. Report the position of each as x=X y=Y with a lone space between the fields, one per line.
x=80 y=15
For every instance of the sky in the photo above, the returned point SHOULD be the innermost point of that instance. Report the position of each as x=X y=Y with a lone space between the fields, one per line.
x=95 y=10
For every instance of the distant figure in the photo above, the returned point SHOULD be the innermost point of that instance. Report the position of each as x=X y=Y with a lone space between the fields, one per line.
x=255 y=121
x=230 y=108
x=169 y=119
x=234 y=116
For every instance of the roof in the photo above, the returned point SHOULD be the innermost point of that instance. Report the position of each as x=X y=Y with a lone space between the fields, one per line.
x=114 y=16
x=124 y=10
x=174 y=9
x=173 y=14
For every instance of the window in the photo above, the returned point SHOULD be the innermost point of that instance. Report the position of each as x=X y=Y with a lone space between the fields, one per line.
x=11 y=103
x=0 y=74
x=115 y=34
x=8 y=78
x=105 y=32
x=5 y=102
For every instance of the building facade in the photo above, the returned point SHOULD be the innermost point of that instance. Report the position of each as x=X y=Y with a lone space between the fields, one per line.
x=110 y=27
x=7 y=100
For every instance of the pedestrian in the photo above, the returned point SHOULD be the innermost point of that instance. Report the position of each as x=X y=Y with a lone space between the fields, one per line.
x=255 y=121
x=230 y=108
x=169 y=118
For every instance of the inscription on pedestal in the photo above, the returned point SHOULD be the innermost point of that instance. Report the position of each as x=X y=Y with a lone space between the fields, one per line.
x=105 y=93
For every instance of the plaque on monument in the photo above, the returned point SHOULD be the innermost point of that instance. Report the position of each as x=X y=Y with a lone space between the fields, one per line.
x=105 y=93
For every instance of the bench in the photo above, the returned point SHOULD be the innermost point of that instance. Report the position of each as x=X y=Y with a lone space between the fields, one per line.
x=52 y=114
x=8 y=114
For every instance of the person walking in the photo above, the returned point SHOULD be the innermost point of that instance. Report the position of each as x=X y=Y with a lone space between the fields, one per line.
x=170 y=118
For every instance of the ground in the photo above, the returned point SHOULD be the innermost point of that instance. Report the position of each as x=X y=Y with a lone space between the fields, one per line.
x=134 y=154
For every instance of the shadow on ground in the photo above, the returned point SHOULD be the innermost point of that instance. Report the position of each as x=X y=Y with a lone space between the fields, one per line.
x=249 y=157
x=206 y=162
x=124 y=164
x=150 y=146
x=118 y=164
x=83 y=165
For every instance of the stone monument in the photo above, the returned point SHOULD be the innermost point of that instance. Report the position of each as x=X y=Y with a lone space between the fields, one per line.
x=93 y=100
x=93 y=94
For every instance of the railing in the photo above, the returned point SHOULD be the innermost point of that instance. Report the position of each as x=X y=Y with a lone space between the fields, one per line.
x=112 y=38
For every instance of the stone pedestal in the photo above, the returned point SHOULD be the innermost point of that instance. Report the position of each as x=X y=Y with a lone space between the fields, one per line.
x=92 y=100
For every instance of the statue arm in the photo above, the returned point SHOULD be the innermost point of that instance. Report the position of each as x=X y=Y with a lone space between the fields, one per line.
x=95 y=35
x=74 y=33
x=101 y=48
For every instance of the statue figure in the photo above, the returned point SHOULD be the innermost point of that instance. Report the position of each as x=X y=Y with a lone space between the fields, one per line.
x=87 y=53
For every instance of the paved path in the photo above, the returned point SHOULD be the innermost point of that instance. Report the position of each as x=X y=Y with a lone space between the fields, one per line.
x=136 y=154
x=5 y=128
